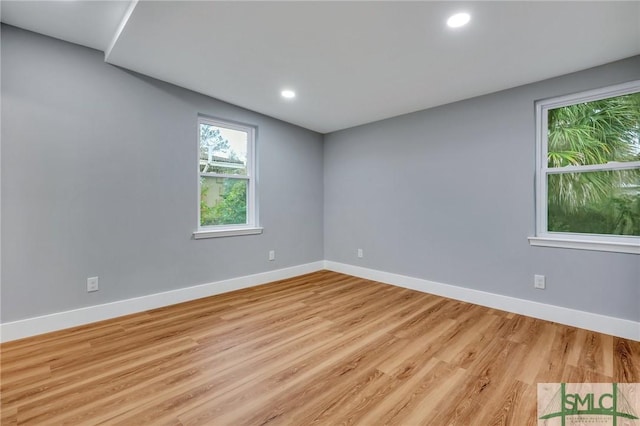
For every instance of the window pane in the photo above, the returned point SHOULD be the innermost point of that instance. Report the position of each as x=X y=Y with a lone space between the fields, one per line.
x=223 y=150
x=605 y=202
x=595 y=132
x=223 y=201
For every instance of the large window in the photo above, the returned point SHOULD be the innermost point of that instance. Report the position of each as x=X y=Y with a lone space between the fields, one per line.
x=226 y=185
x=588 y=170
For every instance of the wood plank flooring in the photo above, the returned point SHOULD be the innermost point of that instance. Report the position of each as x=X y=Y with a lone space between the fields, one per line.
x=323 y=348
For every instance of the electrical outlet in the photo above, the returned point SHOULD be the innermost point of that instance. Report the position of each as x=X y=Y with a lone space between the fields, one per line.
x=272 y=255
x=539 y=282
x=360 y=253
x=92 y=284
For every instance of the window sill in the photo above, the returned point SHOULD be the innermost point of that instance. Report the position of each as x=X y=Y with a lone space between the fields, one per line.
x=227 y=232
x=579 y=244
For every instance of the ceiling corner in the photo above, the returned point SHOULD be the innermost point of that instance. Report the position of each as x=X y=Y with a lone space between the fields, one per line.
x=119 y=29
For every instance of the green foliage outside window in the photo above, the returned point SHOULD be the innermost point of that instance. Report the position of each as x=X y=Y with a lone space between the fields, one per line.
x=227 y=205
x=231 y=209
x=592 y=133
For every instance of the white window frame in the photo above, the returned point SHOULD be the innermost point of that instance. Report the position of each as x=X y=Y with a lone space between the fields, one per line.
x=251 y=227
x=611 y=243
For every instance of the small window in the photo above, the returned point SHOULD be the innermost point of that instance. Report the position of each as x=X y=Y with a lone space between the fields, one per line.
x=226 y=184
x=588 y=170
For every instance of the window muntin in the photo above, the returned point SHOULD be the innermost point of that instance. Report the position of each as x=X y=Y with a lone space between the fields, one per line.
x=226 y=167
x=588 y=173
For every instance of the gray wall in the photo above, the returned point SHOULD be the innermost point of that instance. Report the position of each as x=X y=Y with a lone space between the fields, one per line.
x=99 y=178
x=447 y=194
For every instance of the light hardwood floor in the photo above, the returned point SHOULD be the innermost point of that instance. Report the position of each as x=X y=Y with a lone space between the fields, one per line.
x=323 y=348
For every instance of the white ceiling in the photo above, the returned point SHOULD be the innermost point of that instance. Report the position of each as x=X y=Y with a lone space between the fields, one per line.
x=349 y=62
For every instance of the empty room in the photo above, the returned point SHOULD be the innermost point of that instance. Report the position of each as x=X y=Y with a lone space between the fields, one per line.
x=320 y=212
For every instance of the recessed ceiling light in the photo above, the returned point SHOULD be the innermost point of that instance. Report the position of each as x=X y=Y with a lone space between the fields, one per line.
x=458 y=20
x=289 y=94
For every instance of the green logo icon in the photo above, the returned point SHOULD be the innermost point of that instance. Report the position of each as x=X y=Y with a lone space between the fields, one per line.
x=593 y=403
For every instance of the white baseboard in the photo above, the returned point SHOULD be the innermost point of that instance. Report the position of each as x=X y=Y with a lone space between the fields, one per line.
x=61 y=320
x=590 y=321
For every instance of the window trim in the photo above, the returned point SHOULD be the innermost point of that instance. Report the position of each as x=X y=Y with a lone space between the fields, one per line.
x=251 y=227
x=544 y=237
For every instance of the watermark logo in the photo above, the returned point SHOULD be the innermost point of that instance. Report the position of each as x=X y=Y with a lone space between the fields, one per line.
x=588 y=404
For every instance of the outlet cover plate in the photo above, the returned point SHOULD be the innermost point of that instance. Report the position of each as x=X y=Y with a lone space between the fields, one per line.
x=92 y=284
x=539 y=282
